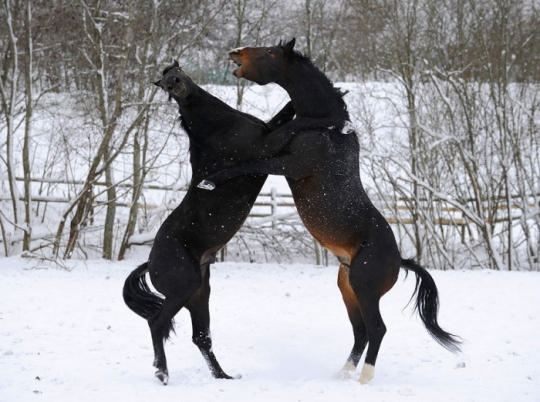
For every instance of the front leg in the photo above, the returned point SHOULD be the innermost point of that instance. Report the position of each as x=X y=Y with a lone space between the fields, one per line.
x=200 y=321
x=288 y=165
x=275 y=141
x=285 y=115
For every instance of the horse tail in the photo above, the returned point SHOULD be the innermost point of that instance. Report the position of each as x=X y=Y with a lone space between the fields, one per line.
x=427 y=305
x=138 y=296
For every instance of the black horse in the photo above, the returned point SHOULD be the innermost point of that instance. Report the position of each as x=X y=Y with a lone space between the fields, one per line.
x=322 y=168
x=187 y=241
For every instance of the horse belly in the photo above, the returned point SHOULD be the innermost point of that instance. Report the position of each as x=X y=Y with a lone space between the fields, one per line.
x=333 y=222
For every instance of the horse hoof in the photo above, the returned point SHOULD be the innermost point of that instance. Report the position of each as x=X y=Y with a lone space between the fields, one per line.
x=224 y=376
x=206 y=185
x=163 y=376
x=343 y=375
x=367 y=374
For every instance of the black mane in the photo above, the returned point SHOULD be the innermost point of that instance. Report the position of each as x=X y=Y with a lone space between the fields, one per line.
x=301 y=58
x=169 y=68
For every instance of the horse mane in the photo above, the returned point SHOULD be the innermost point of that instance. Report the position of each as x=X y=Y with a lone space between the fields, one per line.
x=297 y=55
x=169 y=68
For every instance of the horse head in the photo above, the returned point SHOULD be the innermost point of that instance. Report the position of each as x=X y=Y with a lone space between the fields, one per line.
x=175 y=82
x=263 y=64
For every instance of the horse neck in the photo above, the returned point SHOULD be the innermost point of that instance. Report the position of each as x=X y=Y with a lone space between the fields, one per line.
x=201 y=113
x=312 y=93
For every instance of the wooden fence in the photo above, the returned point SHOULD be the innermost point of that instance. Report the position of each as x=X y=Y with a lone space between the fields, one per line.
x=274 y=204
x=272 y=207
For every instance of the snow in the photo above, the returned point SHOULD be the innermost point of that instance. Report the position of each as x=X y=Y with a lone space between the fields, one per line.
x=65 y=335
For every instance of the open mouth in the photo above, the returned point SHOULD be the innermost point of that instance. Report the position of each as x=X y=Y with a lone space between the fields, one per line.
x=234 y=58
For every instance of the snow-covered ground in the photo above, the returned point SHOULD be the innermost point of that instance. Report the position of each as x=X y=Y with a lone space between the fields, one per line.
x=67 y=336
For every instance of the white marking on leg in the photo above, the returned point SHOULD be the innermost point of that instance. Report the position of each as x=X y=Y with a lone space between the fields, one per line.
x=346 y=371
x=367 y=374
x=348 y=366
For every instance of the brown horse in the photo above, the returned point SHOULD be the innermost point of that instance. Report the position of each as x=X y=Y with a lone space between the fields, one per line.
x=322 y=168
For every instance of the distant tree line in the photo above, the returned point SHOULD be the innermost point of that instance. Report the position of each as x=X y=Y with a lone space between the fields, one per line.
x=352 y=39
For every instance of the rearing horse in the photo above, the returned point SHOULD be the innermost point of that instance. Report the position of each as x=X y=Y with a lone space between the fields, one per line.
x=321 y=165
x=187 y=241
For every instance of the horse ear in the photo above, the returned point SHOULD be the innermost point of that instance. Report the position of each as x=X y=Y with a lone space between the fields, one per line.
x=290 y=45
x=175 y=63
x=157 y=83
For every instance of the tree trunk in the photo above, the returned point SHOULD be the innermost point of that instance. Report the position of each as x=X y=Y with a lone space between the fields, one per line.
x=108 y=230
x=138 y=179
x=414 y=147
x=27 y=236
x=8 y=92
x=108 y=120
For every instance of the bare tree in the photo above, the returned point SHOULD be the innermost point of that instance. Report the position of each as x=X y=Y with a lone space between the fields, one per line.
x=9 y=95
x=148 y=55
x=323 y=32
x=109 y=112
x=27 y=126
x=468 y=105
x=252 y=26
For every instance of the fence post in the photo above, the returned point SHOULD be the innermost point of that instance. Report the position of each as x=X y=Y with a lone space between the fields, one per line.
x=273 y=206
x=317 y=249
x=463 y=228
x=223 y=253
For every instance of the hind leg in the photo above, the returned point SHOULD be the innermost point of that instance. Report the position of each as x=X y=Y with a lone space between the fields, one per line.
x=375 y=333
x=370 y=278
x=176 y=275
x=200 y=320
x=160 y=327
x=357 y=322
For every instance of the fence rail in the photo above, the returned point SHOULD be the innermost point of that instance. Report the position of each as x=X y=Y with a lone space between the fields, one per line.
x=278 y=203
x=273 y=208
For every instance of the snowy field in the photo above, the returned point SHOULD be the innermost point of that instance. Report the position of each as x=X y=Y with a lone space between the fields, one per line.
x=67 y=336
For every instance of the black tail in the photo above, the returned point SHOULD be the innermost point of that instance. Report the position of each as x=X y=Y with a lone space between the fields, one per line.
x=138 y=296
x=427 y=305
